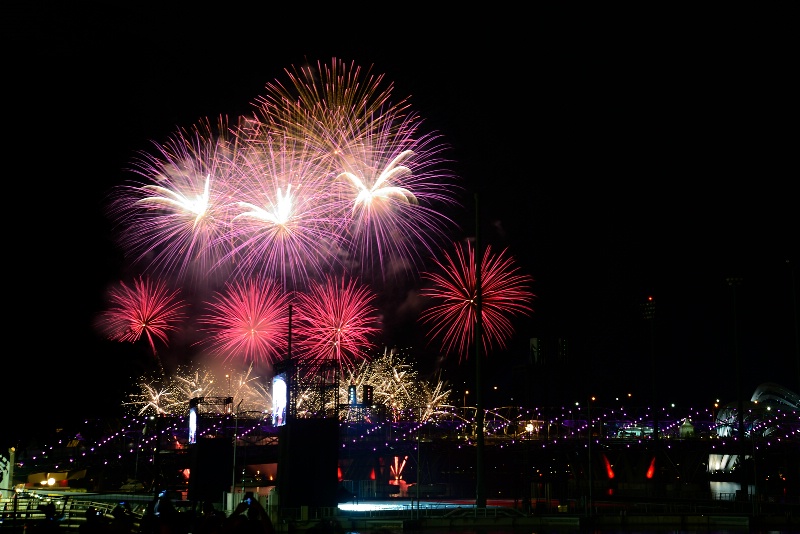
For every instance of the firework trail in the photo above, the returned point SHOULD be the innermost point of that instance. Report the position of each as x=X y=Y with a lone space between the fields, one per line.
x=147 y=309
x=175 y=221
x=259 y=397
x=248 y=321
x=505 y=293
x=336 y=321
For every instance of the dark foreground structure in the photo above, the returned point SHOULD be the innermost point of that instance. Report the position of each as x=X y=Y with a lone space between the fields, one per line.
x=134 y=516
x=576 y=467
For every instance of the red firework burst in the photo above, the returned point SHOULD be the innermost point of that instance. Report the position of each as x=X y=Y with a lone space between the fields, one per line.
x=248 y=321
x=505 y=293
x=336 y=321
x=148 y=309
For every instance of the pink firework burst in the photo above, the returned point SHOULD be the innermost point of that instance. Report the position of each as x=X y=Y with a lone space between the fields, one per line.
x=175 y=221
x=336 y=321
x=282 y=226
x=392 y=189
x=389 y=179
x=148 y=309
x=505 y=293
x=248 y=321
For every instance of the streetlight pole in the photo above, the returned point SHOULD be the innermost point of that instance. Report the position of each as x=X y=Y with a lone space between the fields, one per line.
x=734 y=282
x=796 y=322
x=480 y=493
x=235 y=439
x=591 y=482
x=419 y=466
x=650 y=316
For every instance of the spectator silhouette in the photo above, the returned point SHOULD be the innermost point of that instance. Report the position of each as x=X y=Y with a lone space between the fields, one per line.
x=209 y=520
x=162 y=516
x=51 y=519
x=123 y=520
x=94 y=523
x=249 y=518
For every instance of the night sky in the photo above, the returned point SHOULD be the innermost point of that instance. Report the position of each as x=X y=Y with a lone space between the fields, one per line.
x=615 y=155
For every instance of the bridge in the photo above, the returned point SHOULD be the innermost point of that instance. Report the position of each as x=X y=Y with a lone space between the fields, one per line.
x=564 y=451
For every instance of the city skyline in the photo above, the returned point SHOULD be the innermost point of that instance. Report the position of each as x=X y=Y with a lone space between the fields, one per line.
x=613 y=166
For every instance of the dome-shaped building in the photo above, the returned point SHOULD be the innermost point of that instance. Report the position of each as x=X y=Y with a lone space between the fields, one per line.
x=767 y=400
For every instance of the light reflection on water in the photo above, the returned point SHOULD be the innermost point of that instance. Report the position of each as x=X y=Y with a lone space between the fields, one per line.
x=380 y=506
x=650 y=529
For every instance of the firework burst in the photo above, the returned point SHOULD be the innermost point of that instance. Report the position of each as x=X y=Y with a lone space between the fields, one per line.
x=393 y=186
x=386 y=179
x=336 y=321
x=329 y=107
x=505 y=293
x=176 y=220
x=330 y=178
x=148 y=309
x=248 y=321
x=283 y=228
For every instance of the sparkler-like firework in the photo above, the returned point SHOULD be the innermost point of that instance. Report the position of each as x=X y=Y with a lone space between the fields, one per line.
x=171 y=394
x=156 y=397
x=505 y=293
x=193 y=383
x=396 y=385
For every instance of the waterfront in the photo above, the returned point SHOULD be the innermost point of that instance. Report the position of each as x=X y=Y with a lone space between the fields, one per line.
x=437 y=517
x=566 y=475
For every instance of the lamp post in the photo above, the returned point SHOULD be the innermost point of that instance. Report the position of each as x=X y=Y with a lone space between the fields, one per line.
x=419 y=466
x=734 y=282
x=480 y=490
x=796 y=322
x=589 y=421
x=650 y=315
x=466 y=392
x=235 y=438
